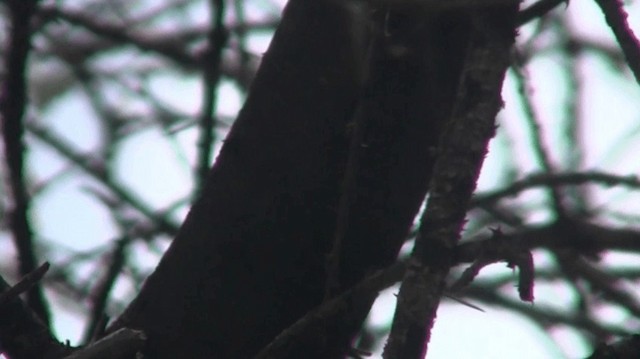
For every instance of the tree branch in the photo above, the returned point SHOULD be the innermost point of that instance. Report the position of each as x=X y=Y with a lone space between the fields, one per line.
x=174 y=51
x=13 y=103
x=22 y=334
x=460 y=155
x=553 y=179
x=617 y=19
x=212 y=59
x=97 y=170
x=538 y=9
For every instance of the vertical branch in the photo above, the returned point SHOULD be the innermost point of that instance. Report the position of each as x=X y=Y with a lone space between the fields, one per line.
x=540 y=151
x=13 y=102
x=244 y=76
x=617 y=19
x=211 y=60
x=461 y=152
x=99 y=296
x=573 y=123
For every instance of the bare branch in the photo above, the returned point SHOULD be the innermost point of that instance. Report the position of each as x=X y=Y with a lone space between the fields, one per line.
x=554 y=180
x=538 y=9
x=212 y=60
x=460 y=156
x=97 y=171
x=13 y=105
x=22 y=333
x=174 y=51
x=617 y=19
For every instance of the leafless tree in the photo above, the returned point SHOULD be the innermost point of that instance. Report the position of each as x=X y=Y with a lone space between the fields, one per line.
x=357 y=112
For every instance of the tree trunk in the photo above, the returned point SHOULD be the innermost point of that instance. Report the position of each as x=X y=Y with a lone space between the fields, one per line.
x=251 y=257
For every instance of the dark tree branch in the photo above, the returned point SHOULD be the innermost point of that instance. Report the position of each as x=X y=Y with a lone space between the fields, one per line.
x=539 y=9
x=173 y=50
x=13 y=105
x=100 y=294
x=256 y=242
x=240 y=28
x=211 y=62
x=593 y=237
x=316 y=319
x=617 y=19
x=555 y=180
x=600 y=281
x=22 y=334
x=540 y=151
x=495 y=249
x=460 y=155
x=574 y=123
x=24 y=285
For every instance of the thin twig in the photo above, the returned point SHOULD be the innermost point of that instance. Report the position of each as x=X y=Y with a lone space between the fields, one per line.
x=26 y=283
x=173 y=50
x=212 y=59
x=617 y=19
x=97 y=171
x=100 y=293
x=602 y=282
x=537 y=10
x=555 y=180
x=540 y=151
x=574 y=121
x=240 y=29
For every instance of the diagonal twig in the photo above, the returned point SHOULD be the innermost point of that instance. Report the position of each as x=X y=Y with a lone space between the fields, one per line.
x=617 y=19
